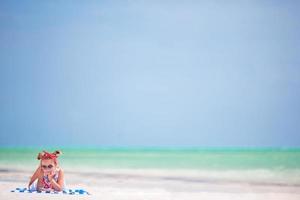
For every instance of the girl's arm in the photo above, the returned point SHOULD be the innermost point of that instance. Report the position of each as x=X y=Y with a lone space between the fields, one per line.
x=58 y=186
x=34 y=176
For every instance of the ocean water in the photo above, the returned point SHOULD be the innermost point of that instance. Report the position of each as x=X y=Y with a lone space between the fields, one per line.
x=162 y=158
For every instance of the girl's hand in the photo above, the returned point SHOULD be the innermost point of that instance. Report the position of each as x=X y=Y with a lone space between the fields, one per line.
x=46 y=173
x=51 y=175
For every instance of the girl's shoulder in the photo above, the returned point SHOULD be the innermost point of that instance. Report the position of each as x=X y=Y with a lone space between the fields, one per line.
x=59 y=174
x=59 y=170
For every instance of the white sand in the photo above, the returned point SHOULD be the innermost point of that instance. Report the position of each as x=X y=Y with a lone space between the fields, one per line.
x=131 y=184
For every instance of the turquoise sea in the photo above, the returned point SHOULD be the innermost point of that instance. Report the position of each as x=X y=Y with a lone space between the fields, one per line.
x=162 y=158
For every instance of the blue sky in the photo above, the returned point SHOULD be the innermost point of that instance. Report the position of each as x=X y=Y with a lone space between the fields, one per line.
x=150 y=73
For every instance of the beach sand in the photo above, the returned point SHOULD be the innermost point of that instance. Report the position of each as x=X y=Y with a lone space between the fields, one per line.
x=131 y=184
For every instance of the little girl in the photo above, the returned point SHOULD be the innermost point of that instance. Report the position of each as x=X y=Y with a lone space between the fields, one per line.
x=48 y=176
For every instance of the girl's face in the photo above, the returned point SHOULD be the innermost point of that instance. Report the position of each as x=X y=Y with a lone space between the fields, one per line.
x=48 y=165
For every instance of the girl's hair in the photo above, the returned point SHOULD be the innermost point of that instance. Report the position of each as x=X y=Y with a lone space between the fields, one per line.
x=46 y=155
